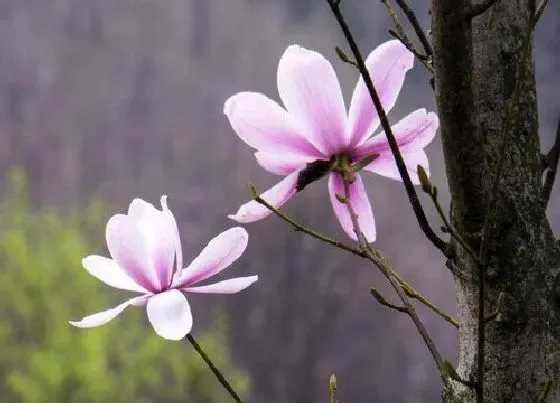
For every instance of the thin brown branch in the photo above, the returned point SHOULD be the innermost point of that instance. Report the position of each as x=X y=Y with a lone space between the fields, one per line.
x=420 y=33
x=388 y=273
x=552 y=159
x=407 y=288
x=383 y=301
x=213 y=368
x=400 y=34
x=478 y=9
x=410 y=190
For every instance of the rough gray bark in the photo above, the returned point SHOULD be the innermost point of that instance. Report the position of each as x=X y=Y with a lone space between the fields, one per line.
x=475 y=64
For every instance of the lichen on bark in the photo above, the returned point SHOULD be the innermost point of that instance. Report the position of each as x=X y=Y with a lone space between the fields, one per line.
x=475 y=69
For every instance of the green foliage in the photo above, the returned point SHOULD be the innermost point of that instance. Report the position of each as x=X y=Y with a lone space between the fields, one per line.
x=44 y=359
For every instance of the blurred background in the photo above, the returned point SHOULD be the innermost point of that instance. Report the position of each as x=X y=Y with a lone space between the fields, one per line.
x=102 y=101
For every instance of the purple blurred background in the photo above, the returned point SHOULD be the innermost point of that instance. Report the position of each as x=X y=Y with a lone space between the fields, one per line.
x=124 y=99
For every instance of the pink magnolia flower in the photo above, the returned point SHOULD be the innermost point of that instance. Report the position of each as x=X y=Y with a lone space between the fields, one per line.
x=147 y=258
x=314 y=126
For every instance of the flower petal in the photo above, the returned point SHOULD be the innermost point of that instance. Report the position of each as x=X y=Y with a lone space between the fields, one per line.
x=360 y=204
x=129 y=248
x=230 y=286
x=413 y=132
x=170 y=314
x=265 y=125
x=101 y=318
x=387 y=66
x=108 y=271
x=275 y=196
x=159 y=229
x=386 y=165
x=220 y=253
x=282 y=164
x=311 y=93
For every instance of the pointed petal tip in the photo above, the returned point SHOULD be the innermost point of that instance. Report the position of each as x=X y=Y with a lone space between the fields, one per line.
x=163 y=201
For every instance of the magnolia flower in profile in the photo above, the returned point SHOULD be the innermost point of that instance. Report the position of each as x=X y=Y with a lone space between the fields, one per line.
x=313 y=135
x=147 y=258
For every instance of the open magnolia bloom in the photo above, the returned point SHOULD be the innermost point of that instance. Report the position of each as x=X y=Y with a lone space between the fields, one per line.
x=315 y=127
x=147 y=258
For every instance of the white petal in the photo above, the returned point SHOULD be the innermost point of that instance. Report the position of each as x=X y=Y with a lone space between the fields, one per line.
x=311 y=93
x=265 y=125
x=360 y=203
x=230 y=286
x=101 y=318
x=282 y=164
x=220 y=253
x=276 y=196
x=386 y=166
x=108 y=271
x=170 y=314
x=129 y=248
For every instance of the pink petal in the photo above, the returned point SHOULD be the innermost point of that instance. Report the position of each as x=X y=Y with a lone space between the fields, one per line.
x=282 y=164
x=275 y=196
x=230 y=286
x=220 y=253
x=129 y=248
x=387 y=66
x=386 y=165
x=178 y=247
x=101 y=318
x=159 y=229
x=360 y=204
x=311 y=93
x=265 y=125
x=108 y=271
x=413 y=132
x=170 y=314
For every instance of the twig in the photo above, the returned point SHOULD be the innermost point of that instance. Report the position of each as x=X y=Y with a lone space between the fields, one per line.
x=492 y=200
x=552 y=166
x=213 y=368
x=401 y=35
x=383 y=301
x=407 y=288
x=411 y=192
x=477 y=9
x=299 y=227
x=417 y=27
x=385 y=270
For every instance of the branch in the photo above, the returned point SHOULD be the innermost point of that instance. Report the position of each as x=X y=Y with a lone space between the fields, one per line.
x=407 y=288
x=401 y=35
x=213 y=368
x=417 y=27
x=411 y=192
x=387 y=272
x=383 y=301
x=477 y=9
x=552 y=159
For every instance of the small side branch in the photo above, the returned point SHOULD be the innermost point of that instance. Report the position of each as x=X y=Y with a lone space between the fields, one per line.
x=407 y=288
x=411 y=192
x=420 y=33
x=400 y=34
x=552 y=159
x=478 y=9
x=409 y=308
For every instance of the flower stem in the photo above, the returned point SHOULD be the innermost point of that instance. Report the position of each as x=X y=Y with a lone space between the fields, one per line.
x=213 y=368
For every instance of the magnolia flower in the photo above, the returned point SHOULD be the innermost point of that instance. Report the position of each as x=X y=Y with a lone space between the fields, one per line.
x=147 y=258
x=314 y=128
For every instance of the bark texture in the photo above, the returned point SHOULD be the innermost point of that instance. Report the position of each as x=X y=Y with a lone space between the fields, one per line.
x=475 y=67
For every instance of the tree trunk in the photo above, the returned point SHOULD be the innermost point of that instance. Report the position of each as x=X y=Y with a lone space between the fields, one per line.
x=475 y=68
